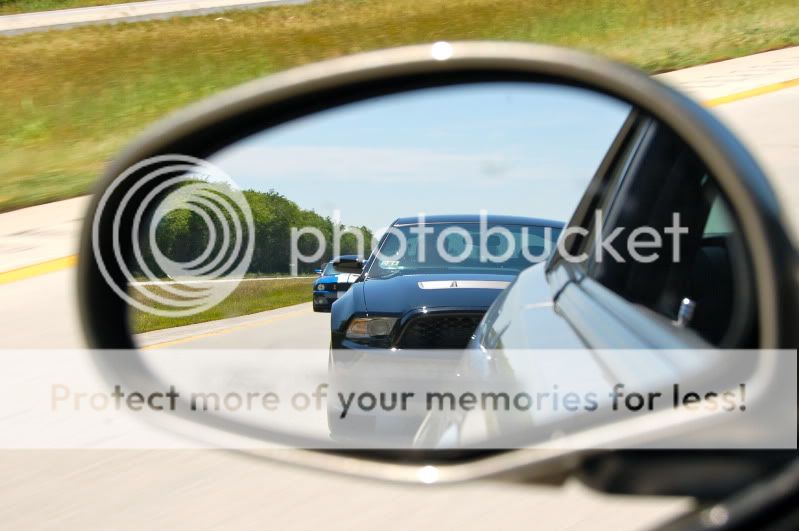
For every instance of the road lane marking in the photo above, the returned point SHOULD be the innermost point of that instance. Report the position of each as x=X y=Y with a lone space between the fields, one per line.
x=65 y=262
x=751 y=93
x=57 y=264
x=42 y=268
x=227 y=330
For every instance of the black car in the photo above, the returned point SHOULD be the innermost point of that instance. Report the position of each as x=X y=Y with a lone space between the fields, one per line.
x=430 y=280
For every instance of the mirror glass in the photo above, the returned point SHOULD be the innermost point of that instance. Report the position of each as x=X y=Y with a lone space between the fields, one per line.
x=506 y=149
x=323 y=277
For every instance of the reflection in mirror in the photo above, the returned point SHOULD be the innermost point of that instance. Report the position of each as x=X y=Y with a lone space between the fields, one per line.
x=350 y=257
x=506 y=149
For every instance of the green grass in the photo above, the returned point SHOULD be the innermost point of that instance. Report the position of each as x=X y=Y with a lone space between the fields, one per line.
x=70 y=99
x=13 y=7
x=247 y=298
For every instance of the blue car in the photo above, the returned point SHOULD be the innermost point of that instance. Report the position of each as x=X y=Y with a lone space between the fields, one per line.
x=333 y=283
x=433 y=291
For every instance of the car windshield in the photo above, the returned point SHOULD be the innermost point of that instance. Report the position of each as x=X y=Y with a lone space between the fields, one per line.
x=461 y=248
x=330 y=269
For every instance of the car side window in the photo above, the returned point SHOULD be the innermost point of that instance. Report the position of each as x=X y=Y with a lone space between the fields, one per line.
x=613 y=183
x=699 y=278
x=719 y=220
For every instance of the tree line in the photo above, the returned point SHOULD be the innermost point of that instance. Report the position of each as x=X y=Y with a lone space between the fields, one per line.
x=182 y=235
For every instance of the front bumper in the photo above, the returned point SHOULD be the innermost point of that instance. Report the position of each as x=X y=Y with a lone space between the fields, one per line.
x=406 y=336
x=323 y=299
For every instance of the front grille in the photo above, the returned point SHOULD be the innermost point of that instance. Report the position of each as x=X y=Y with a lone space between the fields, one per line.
x=439 y=330
x=335 y=287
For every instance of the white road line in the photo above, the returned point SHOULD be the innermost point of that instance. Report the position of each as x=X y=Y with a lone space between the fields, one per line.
x=134 y=11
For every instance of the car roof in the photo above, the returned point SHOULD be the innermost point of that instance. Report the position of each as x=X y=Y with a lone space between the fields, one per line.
x=345 y=257
x=475 y=218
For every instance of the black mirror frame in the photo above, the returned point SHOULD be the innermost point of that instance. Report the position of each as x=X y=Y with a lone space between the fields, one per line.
x=210 y=125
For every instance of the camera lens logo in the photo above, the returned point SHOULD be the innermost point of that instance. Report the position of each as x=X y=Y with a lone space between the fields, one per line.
x=157 y=283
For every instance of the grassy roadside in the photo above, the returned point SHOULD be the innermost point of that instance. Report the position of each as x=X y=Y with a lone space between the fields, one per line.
x=247 y=298
x=14 y=7
x=70 y=99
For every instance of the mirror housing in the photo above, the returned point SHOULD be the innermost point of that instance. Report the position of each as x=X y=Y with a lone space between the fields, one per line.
x=208 y=126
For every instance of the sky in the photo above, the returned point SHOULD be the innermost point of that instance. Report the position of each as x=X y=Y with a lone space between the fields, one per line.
x=509 y=148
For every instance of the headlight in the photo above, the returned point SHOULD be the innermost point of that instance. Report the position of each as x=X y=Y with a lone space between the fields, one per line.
x=368 y=327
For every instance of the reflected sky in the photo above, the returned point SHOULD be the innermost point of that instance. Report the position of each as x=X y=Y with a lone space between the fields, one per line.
x=509 y=148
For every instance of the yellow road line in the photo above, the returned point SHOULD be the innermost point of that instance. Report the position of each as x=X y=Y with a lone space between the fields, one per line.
x=223 y=331
x=758 y=91
x=41 y=268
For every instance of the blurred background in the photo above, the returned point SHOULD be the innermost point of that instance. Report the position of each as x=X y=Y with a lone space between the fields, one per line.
x=70 y=99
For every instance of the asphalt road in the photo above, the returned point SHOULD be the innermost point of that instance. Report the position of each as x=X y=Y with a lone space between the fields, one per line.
x=293 y=327
x=768 y=125
x=127 y=489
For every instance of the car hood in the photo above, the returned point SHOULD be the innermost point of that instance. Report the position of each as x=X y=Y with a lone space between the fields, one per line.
x=407 y=292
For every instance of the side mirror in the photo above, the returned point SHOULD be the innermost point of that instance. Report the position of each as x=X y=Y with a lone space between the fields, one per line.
x=318 y=271
x=558 y=98
x=349 y=265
